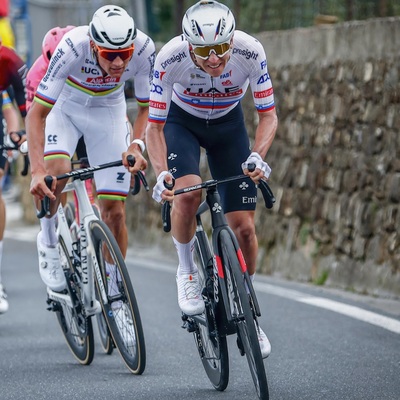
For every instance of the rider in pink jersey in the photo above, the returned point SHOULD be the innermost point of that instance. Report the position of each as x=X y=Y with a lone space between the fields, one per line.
x=39 y=67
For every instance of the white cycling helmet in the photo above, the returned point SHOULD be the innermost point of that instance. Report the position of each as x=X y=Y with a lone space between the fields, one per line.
x=207 y=23
x=112 y=28
x=52 y=38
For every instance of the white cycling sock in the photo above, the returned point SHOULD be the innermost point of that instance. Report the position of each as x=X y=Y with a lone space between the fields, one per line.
x=185 y=256
x=48 y=233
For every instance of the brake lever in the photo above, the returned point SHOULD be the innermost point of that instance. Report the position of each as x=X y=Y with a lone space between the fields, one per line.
x=166 y=208
x=45 y=203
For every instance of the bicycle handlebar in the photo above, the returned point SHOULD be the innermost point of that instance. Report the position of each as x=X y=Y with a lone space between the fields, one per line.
x=15 y=146
x=269 y=198
x=82 y=173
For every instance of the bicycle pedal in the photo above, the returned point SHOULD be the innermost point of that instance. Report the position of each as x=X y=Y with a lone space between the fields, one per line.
x=53 y=306
x=188 y=325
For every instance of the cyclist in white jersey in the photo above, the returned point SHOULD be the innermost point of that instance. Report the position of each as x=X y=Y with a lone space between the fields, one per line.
x=199 y=79
x=84 y=89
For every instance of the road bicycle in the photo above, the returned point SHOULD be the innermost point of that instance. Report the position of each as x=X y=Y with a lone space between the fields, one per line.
x=92 y=262
x=71 y=211
x=231 y=306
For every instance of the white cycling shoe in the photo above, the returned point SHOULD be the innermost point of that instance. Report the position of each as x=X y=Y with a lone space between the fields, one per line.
x=50 y=268
x=265 y=345
x=190 y=299
x=3 y=300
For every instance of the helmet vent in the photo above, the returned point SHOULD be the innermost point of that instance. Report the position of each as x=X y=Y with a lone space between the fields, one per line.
x=199 y=32
x=113 y=14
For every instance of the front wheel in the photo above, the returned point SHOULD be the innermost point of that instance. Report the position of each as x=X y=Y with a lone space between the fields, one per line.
x=212 y=347
x=242 y=314
x=120 y=310
x=76 y=328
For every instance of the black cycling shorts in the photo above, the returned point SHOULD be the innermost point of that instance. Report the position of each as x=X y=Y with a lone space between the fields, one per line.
x=227 y=145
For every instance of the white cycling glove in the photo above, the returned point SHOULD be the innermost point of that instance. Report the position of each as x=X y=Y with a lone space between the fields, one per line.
x=255 y=158
x=159 y=187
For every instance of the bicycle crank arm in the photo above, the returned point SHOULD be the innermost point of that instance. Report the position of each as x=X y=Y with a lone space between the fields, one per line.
x=59 y=297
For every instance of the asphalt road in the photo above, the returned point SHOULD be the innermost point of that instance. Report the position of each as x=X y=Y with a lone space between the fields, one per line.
x=325 y=344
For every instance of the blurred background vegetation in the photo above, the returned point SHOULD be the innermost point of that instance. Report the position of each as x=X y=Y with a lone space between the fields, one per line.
x=252 y=16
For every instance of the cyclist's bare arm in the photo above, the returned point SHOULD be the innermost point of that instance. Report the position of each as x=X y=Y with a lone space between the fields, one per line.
x=157 y=151
x=139 y=128
x=264 y=136
x=265 y=132
x=11 y=116
x=35 y=125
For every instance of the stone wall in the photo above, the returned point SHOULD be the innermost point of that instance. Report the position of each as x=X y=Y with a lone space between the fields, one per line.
x=335 y=159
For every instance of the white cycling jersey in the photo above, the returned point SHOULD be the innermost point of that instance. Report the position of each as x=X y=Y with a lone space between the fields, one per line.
x=177 y=78
x=85 y=103
x=74 y=64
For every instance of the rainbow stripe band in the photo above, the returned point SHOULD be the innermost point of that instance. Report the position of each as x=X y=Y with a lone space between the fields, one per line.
x=81 y=88
x=57 y=155
x=110 y=196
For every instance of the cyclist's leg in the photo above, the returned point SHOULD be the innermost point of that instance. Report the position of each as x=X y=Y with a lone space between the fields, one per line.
x=242 y=224
x=183 y=161
x=60 y=143
x=113 y=214
x=239 y=199
x=105 y=142
x=183 y=151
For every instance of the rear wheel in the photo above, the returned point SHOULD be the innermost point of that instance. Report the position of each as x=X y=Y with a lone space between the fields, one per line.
x=76 y=328
x=212 y=346
x=121 y=310
x=241 y=312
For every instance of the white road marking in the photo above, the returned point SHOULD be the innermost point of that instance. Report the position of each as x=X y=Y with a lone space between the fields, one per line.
x=358 y=313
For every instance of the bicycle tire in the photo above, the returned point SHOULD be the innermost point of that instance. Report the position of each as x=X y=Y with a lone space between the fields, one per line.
x=70 y=216
x=212 y=347
x=133 y=354
x=76 y=328
x=70 y=212
x=106 y=341
x=242 y=313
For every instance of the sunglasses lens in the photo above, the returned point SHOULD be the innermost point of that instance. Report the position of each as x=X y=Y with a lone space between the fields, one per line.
x=219 y=49
x=111 y=55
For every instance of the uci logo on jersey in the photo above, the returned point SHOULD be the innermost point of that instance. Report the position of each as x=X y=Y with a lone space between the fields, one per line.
x=263 y=78
x=88 y=70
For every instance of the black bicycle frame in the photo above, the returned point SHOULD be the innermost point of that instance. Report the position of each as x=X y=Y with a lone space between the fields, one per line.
x=226 y=325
